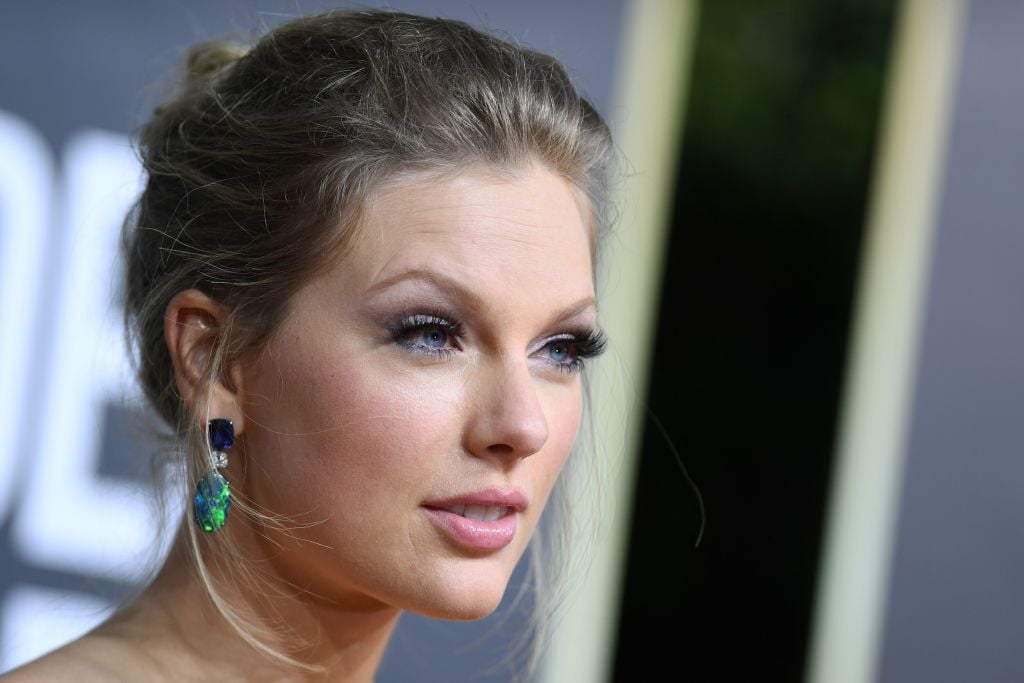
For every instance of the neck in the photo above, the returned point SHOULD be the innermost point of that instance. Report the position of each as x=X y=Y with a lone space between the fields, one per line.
x=178 y=626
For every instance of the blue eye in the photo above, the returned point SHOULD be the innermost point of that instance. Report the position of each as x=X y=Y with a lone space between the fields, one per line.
x=567 y=351
x=434 y=337
x=561 y=351
x=426 y=334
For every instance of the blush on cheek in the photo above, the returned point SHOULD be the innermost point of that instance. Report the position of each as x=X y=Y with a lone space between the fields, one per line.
x=566 y=423
x=373 y=436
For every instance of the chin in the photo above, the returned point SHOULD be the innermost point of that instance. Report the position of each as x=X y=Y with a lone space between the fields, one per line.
x=471 y=610
x=465 y=595
x=464 y=611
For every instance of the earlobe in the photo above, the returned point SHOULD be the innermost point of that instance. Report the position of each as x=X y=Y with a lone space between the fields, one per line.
x=193 y=328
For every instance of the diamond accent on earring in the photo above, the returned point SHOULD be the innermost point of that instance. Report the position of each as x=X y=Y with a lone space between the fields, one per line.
x=220 y=459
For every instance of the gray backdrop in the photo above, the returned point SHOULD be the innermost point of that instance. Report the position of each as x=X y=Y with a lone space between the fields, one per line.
x=956 y=604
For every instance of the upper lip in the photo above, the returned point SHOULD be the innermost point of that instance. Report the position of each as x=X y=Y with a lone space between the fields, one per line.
x=489 y=497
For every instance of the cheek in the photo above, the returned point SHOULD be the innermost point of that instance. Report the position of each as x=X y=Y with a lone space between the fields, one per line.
x=567 y=414
x=564 y=413
x=339 y=438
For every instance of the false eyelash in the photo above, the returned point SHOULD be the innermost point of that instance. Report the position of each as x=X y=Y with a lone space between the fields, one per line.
x=427 y=319
x=591 y=343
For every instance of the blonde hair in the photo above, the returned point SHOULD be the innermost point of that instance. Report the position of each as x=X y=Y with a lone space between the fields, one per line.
x=260 y=166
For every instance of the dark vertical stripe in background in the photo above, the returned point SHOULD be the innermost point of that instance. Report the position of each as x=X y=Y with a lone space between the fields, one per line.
x=752 y=337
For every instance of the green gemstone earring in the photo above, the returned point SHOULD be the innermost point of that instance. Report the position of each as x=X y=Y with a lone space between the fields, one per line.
x=213 y=493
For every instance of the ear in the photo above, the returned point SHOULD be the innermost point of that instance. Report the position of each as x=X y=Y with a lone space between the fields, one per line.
x=193 y=324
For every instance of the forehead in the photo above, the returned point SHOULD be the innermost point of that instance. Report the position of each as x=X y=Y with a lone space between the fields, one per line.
x=519 y=227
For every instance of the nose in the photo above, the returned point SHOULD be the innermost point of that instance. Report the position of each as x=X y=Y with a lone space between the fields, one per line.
x=507 y=419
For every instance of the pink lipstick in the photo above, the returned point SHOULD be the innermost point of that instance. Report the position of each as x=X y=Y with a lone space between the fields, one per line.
x=485 y=520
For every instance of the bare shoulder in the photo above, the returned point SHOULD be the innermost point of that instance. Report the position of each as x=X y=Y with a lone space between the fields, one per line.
x=88 y=659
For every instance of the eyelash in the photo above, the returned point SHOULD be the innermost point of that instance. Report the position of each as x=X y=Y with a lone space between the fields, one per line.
x=589 y=343
x=403 y=329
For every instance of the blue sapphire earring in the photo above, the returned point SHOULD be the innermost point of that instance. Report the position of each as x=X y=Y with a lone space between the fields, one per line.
x=213 y=493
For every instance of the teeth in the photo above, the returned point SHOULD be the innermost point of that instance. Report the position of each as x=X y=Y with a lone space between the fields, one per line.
x=481 y=513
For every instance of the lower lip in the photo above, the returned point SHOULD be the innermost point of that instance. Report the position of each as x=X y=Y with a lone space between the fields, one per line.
x=474 y=533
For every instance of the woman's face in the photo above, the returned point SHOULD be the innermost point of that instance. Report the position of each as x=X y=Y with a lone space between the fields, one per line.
x=421 y=398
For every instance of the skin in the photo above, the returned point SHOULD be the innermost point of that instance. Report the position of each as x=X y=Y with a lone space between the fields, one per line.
x=347 y=432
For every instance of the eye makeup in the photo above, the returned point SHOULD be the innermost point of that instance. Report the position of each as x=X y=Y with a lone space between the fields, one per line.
x=433 y=332
x=419 y=332
x=578 y=345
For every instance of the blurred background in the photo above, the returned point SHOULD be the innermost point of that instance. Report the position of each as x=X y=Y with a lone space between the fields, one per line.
x=815 y=292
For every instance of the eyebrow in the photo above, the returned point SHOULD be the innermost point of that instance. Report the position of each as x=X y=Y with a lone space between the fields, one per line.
x=451 y=286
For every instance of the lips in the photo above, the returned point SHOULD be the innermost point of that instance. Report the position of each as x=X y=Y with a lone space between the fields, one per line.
x=485 y=520
x=480 y=513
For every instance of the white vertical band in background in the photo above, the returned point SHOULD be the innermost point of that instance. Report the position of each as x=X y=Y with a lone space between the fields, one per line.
x=651 y=88
x=878 y=395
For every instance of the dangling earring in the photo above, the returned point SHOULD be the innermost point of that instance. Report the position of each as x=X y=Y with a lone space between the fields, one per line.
x=213 y=493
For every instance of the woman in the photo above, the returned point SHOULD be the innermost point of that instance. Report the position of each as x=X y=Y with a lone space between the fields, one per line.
x=360 y=288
